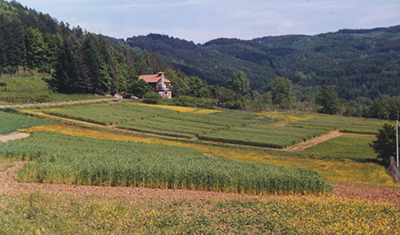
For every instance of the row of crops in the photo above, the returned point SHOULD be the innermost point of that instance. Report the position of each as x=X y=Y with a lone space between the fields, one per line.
x=233 y=127
x=263 y=135
x=227 y=126
x=84 y=161
x=10 y=123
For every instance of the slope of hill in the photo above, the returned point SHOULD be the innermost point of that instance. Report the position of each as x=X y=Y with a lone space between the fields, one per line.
x=357 y=62
x=79 y=61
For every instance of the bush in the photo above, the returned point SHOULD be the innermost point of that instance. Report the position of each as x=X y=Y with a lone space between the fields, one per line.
x=152 y=98
x=189 y=101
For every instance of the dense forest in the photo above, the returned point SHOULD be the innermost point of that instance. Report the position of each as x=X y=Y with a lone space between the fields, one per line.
x=356 y=62
x=80 y=62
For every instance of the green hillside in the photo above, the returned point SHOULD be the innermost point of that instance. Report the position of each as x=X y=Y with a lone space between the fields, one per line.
x=356 y=62
x=75 y=60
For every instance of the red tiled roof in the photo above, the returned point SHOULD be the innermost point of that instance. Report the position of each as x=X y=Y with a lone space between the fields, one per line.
x=153 y=78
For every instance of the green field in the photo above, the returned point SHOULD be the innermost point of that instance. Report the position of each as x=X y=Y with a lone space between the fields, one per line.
x=228 y=126
x=11 y=122
x=344 y=147
x=76 y=160
x=34 y=89
x=365 y=126
x=263 y=135
x=67 y=159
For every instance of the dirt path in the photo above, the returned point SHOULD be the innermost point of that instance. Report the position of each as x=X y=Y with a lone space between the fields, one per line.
x=280 y=124
x=314 y=141
x=13 y=136
x=55 y=104
x=9 y=186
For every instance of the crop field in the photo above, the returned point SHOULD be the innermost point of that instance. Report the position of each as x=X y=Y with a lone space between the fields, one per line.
x=104 y=114
x=84 y=161
x=110 y=114
x=365 y=126
x=346 y=171
x=182 y=109
x=290 y=117
x=73 y=155
x=263 y=135
x=345 y=147
x=38 y=213
x=11 y=122
x=232 y=127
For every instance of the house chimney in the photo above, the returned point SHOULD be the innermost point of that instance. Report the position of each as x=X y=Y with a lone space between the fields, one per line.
x=162 y=79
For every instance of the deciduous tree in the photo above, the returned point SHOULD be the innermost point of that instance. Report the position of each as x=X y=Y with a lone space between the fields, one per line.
x=140 y=87
x=240 y=83
x=282 y=93
x=329 y=100
x=385 y=144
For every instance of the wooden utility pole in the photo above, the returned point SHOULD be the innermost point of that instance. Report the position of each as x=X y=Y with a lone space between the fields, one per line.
x=397 y=139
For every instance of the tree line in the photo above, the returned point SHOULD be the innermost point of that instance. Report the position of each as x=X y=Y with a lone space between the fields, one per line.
x=79 y=61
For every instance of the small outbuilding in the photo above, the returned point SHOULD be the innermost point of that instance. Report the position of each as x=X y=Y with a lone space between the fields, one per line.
x=160 y=84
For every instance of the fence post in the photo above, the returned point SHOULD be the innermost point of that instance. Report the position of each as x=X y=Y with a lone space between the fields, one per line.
x=395 y=172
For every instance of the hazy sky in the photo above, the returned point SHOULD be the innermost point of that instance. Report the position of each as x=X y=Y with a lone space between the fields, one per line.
x=204 y=20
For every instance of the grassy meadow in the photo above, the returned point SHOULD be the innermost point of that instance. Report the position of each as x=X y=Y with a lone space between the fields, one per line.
x=34 y=89
x=43 y=214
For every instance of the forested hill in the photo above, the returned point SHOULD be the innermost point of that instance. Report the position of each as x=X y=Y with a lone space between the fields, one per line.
x=357 y=62
x=80 y=62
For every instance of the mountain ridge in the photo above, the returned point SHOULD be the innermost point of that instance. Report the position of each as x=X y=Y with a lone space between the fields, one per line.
x=358 y=62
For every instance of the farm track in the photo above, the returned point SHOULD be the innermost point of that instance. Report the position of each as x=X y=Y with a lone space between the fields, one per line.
x=9 y=186
x=55 y=104
x=312 y=142
x=13 y=136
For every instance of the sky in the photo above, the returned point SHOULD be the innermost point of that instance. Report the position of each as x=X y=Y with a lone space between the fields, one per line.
x=204 y=20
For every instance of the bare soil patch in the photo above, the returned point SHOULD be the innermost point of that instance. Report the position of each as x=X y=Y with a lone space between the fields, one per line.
x=13 y=136
x=9 y=186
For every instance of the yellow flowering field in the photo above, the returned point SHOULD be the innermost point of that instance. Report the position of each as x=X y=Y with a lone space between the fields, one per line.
x=290 y=117
x=45 y=214
x=180 y=108
x=345 y=171
x=207 y=111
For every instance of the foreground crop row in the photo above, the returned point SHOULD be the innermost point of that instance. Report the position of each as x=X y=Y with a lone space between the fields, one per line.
x=75 y=160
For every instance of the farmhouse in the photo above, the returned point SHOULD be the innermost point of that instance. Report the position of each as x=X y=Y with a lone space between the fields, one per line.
x=160 y=84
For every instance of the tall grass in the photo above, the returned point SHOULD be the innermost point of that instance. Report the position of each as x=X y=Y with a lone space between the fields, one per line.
x=75 y=160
